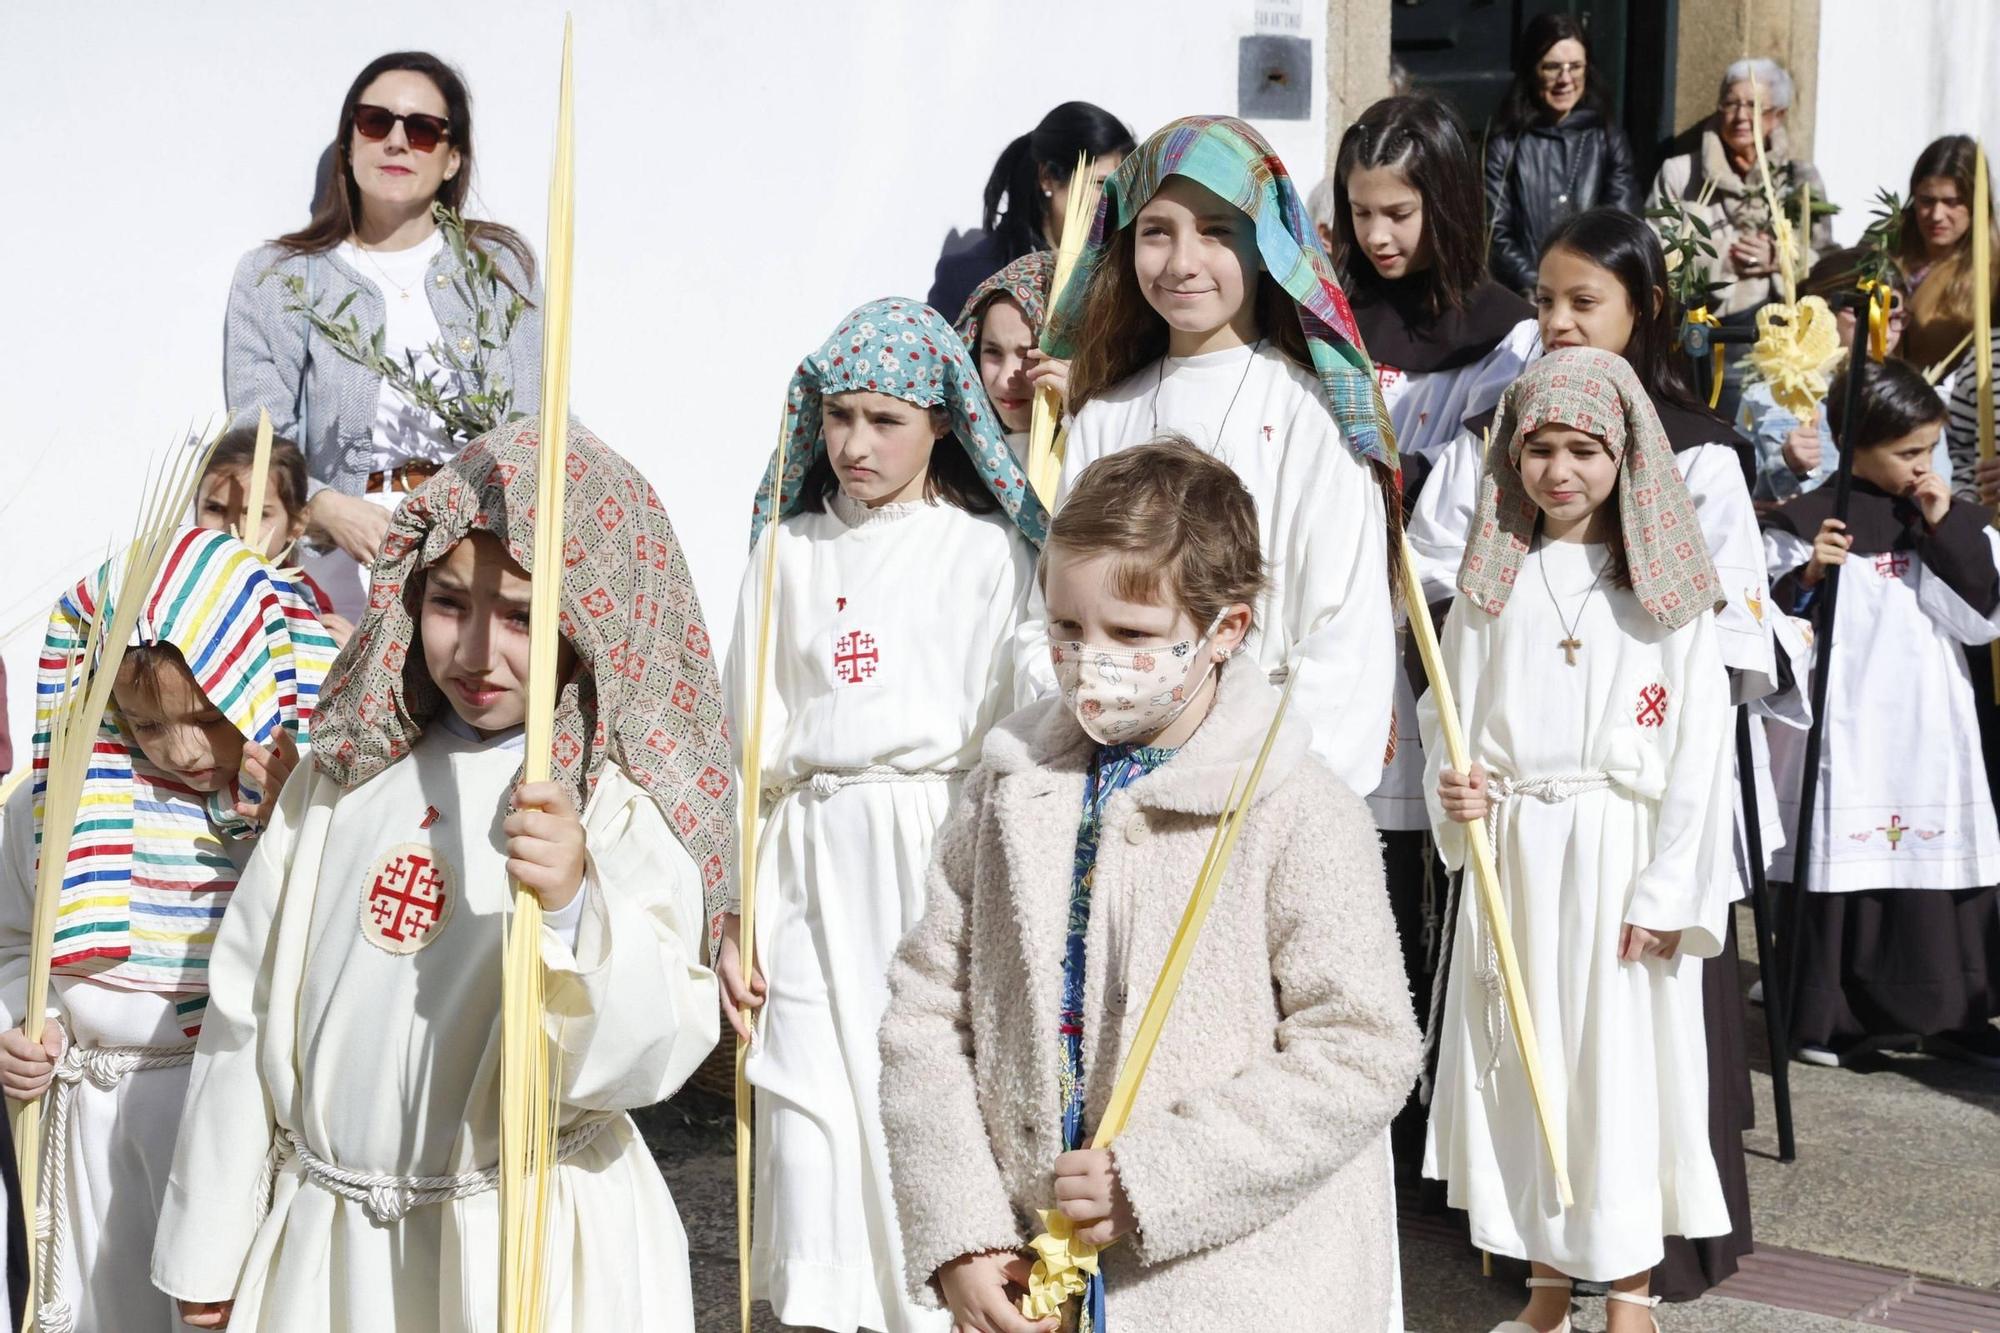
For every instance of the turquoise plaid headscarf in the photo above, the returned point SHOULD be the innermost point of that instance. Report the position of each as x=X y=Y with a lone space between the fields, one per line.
x=1229 y=158
x=905 y=349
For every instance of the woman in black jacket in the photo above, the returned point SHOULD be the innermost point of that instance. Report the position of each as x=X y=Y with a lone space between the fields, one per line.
x=1553 y=151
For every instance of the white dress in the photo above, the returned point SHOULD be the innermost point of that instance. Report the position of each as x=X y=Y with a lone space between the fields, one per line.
x=1885 y=818
x=1428 y=411
x=1325 y=614
x=355 y=1004
x=1623 y=1053
x=121 y=1138
x=890 y=661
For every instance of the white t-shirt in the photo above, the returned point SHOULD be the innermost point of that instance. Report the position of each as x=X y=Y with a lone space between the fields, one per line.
x=403 y=431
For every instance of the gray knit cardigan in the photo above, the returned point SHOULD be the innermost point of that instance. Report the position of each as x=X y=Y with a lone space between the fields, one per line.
x=316 y=396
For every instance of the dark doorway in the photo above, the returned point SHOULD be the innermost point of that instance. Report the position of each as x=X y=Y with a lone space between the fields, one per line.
x=1464 y=51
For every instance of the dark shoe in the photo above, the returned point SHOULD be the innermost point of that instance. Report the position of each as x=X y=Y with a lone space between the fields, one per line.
x=1973 y=1046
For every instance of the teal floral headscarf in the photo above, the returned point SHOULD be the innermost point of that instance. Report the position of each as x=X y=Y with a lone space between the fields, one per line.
x=1232 y=160
x=905 y=349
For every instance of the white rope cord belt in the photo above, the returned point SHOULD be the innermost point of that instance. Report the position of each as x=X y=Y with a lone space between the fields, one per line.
x=826 y=781
x=1500 y=793
x=387 y=1197
x=104 y=1067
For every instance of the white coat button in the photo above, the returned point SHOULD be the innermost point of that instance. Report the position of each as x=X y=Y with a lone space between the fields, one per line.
x=1137 y=831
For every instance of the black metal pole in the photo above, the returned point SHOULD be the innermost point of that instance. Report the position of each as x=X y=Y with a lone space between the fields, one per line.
x=1824 y=607
x=1777 y=1019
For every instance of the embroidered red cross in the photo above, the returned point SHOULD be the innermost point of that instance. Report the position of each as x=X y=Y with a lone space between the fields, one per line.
x=855 y=657
x=1892 y=564
x=407 y=898
x=1653 y=706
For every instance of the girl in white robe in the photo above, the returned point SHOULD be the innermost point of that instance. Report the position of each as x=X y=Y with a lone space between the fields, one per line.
x=338 y=1165
x=1901 y=933
x=1597 y=716
x=209 y=709
x=1205 y=308
x=906 y=549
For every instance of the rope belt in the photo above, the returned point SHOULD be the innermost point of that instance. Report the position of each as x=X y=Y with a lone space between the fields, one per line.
x=103 y=1067
x=387 y=1197
x=825 y=782
x=1501 y=792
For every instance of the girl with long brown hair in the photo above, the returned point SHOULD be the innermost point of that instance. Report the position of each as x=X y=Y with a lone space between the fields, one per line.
x=373 y=250
x=1204 y=306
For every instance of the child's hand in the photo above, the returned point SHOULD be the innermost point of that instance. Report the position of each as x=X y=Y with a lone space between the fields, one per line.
x=339 y=628
x=1636 y=942
x=1088 y=1194
x=1933 y=496
x=206 y=1314
x=975 y=1290
x=545 y=843
x=1829 y=549
x=1986 y=476
x=1044 y=369
x=1463 y=796
x=26 y=1066
x=267 y=770
x=1802 y=450
x=737 y=997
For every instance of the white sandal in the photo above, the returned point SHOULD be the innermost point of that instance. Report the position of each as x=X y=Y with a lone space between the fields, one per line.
x=1628 y=1298
x=1520 y=1326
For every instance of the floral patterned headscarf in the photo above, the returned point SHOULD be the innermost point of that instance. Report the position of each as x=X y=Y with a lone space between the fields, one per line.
x=904 y=349
x=645 y=694
x=1595 y=392
x=1026 y=282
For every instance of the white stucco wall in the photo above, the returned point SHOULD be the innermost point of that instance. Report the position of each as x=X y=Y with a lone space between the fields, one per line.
x=746 y=174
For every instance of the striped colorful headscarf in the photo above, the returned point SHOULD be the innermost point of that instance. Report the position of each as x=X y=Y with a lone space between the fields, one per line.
x=149 y=874
x=645 y=694
x=1233 y=161
x=1027 y=282
x=1596 y=392
x=904 y=349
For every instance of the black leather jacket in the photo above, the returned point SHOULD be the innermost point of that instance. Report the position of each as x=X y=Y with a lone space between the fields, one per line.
x=1541 y=177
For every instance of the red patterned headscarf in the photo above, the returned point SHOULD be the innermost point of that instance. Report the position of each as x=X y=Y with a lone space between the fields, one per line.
x=645 y=694
x=1596 y=392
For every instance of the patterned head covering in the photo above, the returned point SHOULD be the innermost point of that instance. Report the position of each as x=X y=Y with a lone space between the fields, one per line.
x=1232 y=160
x=904 y=349
x=1026 y=282
x=149 y=873
x=1597 y=393
x=645 y=694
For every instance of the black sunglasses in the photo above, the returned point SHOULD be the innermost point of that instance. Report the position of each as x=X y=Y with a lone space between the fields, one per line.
x=423 y=132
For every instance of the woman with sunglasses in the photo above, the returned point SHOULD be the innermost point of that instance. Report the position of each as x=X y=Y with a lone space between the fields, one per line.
x=404 y=144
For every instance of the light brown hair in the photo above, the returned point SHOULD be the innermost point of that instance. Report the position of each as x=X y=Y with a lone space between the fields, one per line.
x=236 y=450
x=1181 y=521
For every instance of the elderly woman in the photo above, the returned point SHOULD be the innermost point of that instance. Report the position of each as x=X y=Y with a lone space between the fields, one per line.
x=1552 y=151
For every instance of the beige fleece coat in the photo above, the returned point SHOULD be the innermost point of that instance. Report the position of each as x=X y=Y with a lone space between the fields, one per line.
x=1253 y=1158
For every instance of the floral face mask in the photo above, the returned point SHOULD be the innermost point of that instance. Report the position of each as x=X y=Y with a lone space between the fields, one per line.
x=1122 y=695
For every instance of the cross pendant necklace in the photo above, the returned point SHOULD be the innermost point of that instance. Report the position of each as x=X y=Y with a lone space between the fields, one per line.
x=1569 y=643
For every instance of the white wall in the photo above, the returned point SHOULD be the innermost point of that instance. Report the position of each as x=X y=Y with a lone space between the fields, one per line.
x=1893 y=77
x=746 y=173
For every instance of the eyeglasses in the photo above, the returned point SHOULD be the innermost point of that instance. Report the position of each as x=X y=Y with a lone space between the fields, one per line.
x=1734 y=108
x=423 y=132
x=1556 y=69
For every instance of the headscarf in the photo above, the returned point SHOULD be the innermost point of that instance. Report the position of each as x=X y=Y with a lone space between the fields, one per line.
x=644 y=695
x=1232 y=160
x=904 y=349
x=149 y=874
x=1595 y=392
x=1026 y=282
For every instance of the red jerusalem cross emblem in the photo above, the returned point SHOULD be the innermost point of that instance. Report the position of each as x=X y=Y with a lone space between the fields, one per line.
x=855 y=657
x=1652 y=706
x=408 y=899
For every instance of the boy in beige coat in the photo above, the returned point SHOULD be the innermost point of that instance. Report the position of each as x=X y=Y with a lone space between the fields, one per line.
x=1248 y=1189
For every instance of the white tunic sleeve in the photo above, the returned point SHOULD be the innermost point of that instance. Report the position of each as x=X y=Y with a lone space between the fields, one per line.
x=740 y=688
x=1951 y=613
x=632 y=1007
x=1444 y=515
x=1689 y=882
x=1729 y=524
x=209 y=1215
x=1460 y=650
x=17 y=900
